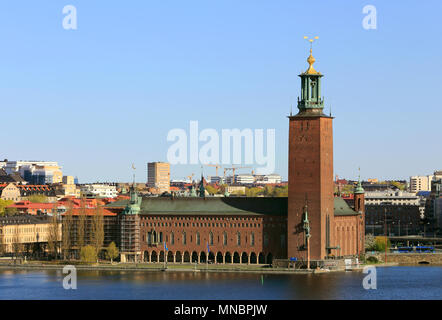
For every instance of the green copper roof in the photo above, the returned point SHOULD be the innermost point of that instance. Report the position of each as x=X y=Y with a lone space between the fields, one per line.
x=222 y=206
x=341 y=208
x=358 y=188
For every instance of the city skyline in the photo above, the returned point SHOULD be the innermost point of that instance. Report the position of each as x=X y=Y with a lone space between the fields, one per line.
x=107 y=94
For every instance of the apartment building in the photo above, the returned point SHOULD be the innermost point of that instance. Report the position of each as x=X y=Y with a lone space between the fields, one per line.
x=24 y=233
x=36 y=172
x=423 y=183
x=99 y=191
x=158 y=176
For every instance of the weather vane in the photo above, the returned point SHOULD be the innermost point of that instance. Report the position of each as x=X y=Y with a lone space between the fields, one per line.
x=311 y=40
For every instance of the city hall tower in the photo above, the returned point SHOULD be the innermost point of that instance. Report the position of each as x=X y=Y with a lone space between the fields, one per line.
x=310 y=196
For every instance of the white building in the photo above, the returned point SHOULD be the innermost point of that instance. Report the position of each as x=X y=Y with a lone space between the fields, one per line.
x=240 y=179
x=423 y=183
x=268 y=178
x=36 y=172
x=216 y=179
x=99 y=191
x=392 y=197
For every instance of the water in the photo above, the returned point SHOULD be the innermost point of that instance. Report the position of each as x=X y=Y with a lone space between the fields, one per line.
x=417 y=282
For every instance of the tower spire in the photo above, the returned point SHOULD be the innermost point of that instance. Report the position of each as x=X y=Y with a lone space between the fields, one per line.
x=311 y=60
x=310 y=101
x=358 y=188
x=133 y=167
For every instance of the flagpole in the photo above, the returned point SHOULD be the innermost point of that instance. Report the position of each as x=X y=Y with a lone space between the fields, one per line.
x=165 y=254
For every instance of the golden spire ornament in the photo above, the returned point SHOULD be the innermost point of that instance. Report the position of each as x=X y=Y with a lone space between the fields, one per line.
x=311 y=60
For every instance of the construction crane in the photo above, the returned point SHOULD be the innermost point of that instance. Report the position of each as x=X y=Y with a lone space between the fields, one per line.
x=233 y=172
x=216 y=166
x=191 y=177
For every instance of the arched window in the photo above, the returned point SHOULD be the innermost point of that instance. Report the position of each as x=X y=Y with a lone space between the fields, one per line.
x=238 y=239
x=252 y=239
x=161 y=237
x=172 y=238
x=198 y=240
x=211 y=238
x=225 y=238
x=184 y=238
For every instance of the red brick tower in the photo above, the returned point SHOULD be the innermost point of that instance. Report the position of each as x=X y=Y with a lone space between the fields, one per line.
x=310 y=172
x=359 y=198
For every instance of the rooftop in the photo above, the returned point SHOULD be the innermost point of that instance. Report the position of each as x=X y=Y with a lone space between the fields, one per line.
x=277 y=206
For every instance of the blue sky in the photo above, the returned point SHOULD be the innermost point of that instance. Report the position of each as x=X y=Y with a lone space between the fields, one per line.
x=104 y=96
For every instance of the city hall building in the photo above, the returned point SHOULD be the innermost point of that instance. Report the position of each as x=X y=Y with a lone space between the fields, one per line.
x=310 y=224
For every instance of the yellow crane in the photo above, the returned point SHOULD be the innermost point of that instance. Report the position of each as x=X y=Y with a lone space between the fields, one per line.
x=216 y=166
x=191 y=177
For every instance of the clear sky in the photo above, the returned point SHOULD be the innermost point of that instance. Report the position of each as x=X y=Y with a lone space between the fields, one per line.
x=104 y=96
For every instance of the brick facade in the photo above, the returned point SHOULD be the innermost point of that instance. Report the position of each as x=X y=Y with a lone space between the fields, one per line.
x=246 y=239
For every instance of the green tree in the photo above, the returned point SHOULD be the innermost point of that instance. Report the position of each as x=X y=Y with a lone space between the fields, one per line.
x=67 y=226
x=380 y=242
x=398 y=185
x=253 y=191
x=38 y=198
x=112 y=251
x=268 y=191
x=3 y=205
x=281 y=191
x=11 y=211
x=53 y=235
x=97 y=234
x=81 y=224
x=88 y=254
x=17 y=247
x=2 y=247
x=211 y=189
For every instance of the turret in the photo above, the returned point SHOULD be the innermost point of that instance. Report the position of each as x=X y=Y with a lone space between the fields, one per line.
x=359 y=197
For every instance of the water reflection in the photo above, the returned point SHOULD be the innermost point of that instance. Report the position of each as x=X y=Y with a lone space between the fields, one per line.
x=393 y=283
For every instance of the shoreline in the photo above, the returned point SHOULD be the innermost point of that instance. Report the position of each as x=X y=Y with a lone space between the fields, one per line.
x=183 y=268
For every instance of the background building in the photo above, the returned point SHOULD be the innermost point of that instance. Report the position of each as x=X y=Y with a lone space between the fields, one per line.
x=393 y=212
x=25 y=234
x=98 y=190
x=423 y=183
x=36 y=172
x=67 y=188
x=433 y=210
x=268 y=179
x=13 y=177
x=158 y=176
x=10 y=192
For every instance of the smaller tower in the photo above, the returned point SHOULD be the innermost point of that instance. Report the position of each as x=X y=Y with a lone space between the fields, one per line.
x=359 y=198
x=201 y=189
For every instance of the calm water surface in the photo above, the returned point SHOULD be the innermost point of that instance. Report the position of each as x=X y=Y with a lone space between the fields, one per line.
x=423 y=282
